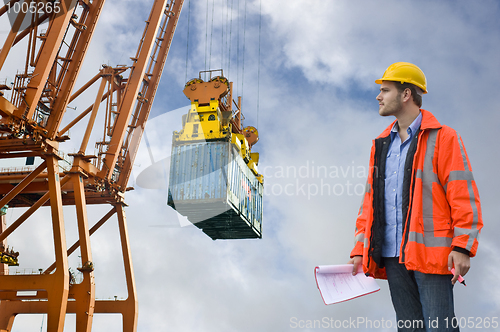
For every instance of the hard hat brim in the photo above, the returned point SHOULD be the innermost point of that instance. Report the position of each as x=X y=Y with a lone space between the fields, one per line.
x=380 y=80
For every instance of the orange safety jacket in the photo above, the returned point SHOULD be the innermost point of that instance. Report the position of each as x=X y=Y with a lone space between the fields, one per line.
x=440 y=202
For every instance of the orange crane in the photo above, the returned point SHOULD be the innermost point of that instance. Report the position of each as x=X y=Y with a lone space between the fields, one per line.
x=30 y=128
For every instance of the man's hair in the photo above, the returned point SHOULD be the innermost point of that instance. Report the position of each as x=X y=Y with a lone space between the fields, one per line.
x=417 y=98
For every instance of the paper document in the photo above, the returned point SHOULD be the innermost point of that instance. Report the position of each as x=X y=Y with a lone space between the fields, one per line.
x=337 y=284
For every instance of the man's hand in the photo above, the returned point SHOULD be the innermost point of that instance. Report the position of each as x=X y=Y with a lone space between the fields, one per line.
x=356 y=260
x=461 y=262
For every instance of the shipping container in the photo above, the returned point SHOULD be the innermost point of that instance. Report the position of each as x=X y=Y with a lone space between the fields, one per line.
x=212 y=186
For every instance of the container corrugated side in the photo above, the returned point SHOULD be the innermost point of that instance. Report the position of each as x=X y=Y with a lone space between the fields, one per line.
x=211 y=185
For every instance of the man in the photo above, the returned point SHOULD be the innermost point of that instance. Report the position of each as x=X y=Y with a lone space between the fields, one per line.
x=420 y=216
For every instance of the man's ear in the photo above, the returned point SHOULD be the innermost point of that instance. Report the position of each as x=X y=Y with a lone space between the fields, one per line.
x=406 y=95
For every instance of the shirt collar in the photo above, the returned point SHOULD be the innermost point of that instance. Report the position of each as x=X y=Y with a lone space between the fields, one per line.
x=412 y=129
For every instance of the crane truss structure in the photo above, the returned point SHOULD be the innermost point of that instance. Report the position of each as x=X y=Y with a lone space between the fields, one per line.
x=30 y=126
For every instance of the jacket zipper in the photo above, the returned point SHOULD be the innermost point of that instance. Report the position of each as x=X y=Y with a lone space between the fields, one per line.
x=410 y=201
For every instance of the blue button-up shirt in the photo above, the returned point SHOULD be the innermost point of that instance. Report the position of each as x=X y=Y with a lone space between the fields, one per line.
x=394 y=174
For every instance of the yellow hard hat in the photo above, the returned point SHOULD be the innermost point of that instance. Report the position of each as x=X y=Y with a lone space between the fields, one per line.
x=405 y=72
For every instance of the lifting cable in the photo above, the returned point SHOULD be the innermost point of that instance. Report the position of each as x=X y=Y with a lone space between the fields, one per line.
x=211 y=36
x=206 y=37
x=258 y=62
x=230 y=43
x=238 y=46
x=222 y=32
x=187 y=39
x=226 y=42
x=243 y=51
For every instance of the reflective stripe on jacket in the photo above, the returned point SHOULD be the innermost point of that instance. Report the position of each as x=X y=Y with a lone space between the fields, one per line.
x=442 y=204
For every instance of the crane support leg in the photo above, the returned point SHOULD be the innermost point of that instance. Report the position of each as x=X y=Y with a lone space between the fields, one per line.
x=59 y=289
x=84 y=293
x=130 y=312
x=54 y=287
x=128 y=308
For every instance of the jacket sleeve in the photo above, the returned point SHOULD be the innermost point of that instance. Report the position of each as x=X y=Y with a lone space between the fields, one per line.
x=364 y=212
x=455 y=174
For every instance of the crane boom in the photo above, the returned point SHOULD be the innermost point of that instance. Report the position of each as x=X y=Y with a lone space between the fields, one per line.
x=150 y=85
x=138 y=78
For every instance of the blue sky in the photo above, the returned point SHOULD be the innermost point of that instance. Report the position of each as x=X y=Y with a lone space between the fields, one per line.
x=308 y=86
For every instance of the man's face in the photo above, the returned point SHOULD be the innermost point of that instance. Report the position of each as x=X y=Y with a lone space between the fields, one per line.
x=389 y=99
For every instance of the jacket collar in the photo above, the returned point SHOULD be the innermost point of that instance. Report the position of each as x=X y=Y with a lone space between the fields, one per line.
x=429 y=121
